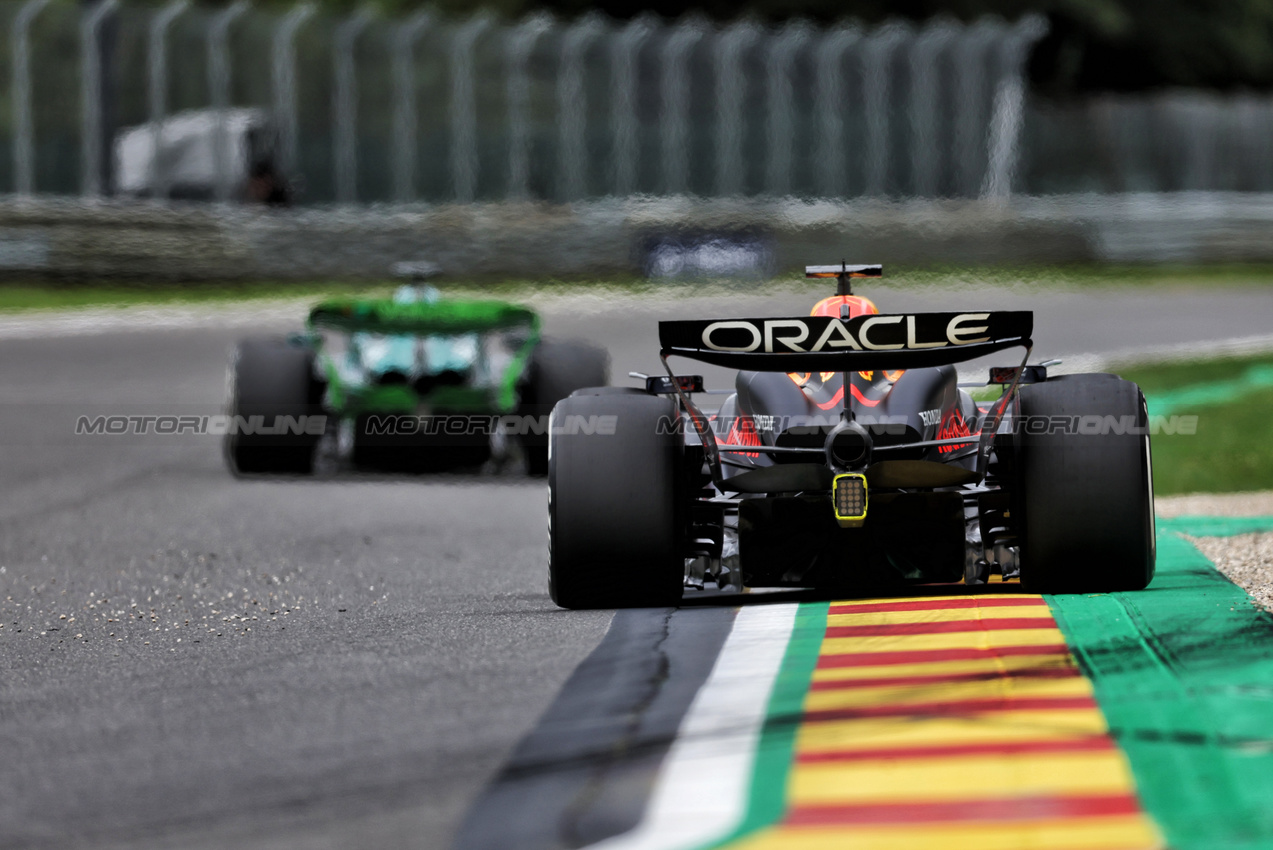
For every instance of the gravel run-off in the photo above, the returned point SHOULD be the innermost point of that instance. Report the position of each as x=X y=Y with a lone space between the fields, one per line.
x=1247 y=559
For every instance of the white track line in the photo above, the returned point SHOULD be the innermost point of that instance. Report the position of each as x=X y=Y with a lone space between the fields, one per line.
x=703 y=787
x=1178 y=352
x=1112 y=361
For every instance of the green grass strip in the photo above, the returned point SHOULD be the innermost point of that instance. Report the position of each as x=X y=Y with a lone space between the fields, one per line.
x=19 y=298
x=1220 y=451
x=36 y=294
x=767 y=799
x=1184 y=674
x=1184 y=399
x=1215 y=526
x=1162 y=378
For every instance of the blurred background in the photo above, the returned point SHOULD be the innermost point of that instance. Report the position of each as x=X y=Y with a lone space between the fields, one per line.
x=144 y=139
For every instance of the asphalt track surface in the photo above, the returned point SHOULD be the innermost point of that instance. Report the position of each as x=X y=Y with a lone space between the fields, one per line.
x=331 y=664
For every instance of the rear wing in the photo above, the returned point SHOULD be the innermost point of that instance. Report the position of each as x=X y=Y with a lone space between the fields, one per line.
x=862 y=343
x=845 y=270
x=438 y=317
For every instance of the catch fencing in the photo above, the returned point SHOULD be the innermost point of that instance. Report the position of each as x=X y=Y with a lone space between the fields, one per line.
x=367 y=108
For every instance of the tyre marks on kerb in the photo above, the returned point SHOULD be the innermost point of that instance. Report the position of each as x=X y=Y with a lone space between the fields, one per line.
x=704 y=782
x=943 y=721
x=586 y=770
x=1182 y=672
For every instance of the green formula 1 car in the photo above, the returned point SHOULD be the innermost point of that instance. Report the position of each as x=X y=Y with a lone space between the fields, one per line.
x=413 y=383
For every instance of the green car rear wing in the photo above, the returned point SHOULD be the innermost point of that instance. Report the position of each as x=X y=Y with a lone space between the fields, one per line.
x=421 y=318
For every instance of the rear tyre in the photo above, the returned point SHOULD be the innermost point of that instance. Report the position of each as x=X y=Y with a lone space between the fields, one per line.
x=1085 y=501
x=273 y=379
x=616 y=503
x=557 y=368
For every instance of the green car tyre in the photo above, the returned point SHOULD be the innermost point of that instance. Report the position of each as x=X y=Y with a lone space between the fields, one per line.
x=274 y=388
x=557 y=369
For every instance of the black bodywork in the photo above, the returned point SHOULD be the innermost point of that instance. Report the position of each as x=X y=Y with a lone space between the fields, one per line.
x=793 y=539
x=937 y=464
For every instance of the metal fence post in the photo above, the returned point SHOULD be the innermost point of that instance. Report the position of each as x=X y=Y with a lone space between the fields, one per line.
x=219 y=91
x=91 y=97
x=970 y=95
x=404 y=105
x=572 y=108
x=674 y=119
x=519 y=42
x=284 y=72
x=1007 y=114
x=831 y=103
x=730 y=84
x=779 y=61
x=157 y=68
x=345 y=113
x=464 y=161
x=625 y=148
x=877 y=55
x=925 y=97
x=23 y=129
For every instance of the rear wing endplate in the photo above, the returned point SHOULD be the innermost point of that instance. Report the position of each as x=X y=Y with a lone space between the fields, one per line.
x=862 y=343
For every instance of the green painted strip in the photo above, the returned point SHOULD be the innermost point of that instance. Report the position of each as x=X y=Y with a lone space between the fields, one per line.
x=767 y=801
x=1184 y=674
x=1257 y=377
x=1215 y=526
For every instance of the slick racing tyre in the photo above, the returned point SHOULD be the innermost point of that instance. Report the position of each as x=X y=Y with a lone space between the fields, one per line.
x=273 y=380
x=615 y=502
x=1085 y=498
x=557 y=368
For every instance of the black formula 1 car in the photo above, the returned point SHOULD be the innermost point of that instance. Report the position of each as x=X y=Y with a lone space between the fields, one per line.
x=849 y=457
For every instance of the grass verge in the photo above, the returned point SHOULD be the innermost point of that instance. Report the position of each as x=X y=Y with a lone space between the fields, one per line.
x=19 y=296
x=26 y=297
x=1232 y=449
